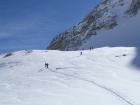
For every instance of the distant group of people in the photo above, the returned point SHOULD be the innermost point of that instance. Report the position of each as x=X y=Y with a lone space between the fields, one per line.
x=91 y=48
x=81 y=53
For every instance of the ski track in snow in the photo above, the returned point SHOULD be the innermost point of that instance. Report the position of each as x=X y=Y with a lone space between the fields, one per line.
x=93 y=71
x=97 y=84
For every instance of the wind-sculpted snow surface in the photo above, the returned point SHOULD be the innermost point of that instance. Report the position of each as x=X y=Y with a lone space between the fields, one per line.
x=104 y=76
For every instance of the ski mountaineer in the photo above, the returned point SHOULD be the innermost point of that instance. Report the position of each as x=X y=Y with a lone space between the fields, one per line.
x=46 y=65
x=81 y=53
x=90 y=48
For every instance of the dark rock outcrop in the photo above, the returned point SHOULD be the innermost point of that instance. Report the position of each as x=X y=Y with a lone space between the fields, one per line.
x=103 y=17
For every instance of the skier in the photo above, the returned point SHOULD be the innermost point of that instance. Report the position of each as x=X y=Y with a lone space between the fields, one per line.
x=46 y=65
x=90 y=48
x=81 y=53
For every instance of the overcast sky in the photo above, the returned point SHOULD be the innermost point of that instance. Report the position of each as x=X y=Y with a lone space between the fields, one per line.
x=31 y=24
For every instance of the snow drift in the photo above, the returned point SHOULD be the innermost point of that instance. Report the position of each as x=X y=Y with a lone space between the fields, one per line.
x=104 y=76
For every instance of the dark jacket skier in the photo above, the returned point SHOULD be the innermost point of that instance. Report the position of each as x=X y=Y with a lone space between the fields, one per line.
x=81 y=53
x=46 y=65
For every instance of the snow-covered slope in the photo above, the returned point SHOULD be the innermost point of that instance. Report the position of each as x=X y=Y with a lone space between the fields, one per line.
x=111 y=23
x=103 y=76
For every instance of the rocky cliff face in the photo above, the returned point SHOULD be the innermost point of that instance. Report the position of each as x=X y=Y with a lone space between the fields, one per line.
x=134 y=7
x=104 y=17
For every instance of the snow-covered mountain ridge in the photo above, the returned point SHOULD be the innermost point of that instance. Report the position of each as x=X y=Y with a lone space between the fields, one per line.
x=103 y=76
x=111 y=23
